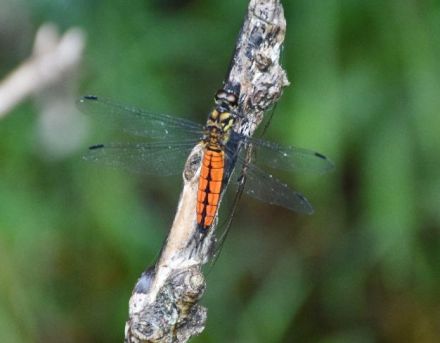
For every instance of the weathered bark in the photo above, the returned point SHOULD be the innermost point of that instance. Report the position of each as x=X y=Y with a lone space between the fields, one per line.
x=164 y=304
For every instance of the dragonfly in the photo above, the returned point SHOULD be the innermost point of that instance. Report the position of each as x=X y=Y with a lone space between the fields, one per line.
x=173 y=138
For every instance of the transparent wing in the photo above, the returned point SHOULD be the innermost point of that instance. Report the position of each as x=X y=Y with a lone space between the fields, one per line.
x=267 y=188
x=158 y=158
x=136 y=121
x=288 y=157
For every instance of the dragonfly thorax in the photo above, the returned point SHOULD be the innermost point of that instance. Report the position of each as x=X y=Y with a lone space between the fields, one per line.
x=221 y=119
x=218 y=128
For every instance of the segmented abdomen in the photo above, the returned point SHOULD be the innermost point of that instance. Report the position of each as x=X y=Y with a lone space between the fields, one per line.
x=210 y=184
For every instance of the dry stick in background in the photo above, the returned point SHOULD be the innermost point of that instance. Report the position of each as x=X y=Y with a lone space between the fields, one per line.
x=53 y=58
x=163 y=306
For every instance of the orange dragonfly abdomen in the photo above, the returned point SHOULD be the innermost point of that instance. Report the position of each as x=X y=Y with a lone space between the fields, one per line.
x=210 y=185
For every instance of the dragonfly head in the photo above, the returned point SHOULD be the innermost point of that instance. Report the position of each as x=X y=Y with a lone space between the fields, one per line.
x=225 y=101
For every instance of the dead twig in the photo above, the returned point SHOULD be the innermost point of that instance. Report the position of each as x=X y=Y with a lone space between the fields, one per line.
x=163 y=306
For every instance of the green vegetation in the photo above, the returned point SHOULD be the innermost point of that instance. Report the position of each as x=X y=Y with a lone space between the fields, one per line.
x=74 y=236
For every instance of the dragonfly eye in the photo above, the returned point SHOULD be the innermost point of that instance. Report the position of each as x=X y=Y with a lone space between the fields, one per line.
x=223 y=96
x=231 y=98
x=220 y=95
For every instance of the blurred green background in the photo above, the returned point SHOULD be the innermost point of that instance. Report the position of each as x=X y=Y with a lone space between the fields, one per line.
x=75 y=236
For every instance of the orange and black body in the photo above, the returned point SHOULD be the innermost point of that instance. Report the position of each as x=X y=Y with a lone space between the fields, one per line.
x=212 y=174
